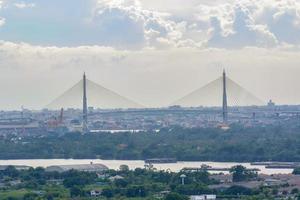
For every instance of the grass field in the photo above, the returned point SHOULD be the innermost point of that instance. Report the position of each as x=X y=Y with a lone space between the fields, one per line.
x=13 y=193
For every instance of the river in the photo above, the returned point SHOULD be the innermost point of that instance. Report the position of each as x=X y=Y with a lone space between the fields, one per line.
x=114 y=164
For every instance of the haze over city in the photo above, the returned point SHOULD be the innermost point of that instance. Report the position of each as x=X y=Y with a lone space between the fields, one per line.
x=150 y=99
x=153 y=52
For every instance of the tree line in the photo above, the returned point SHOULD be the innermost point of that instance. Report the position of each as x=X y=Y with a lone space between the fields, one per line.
x=238 y=144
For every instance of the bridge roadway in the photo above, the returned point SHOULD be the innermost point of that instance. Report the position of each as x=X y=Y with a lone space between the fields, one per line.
x=158 y=111
x=195 y=111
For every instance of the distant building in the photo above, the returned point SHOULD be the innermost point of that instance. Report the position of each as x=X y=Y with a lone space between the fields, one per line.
x=14 y=182
x=19 y=125
x=203 y=197
x=75 y=125
x=117 y=177
x=83 y=167
x=17 y=167
x=55 y=181
x=175 y=107
x=271 y=103
x=91 y=109
x=222 y=178
x=95 y=193
x=272 y=182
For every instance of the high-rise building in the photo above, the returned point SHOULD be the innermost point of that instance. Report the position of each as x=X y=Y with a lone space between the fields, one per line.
x=84 y=109
x=225 y=107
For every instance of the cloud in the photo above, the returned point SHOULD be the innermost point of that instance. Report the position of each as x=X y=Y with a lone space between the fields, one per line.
x=244 y=32
x=236 y=24
x=126 y=23
x=2 y=21
x=283 y=19
x=139 y=24
x=118 y=27
x=22 y=5
x=265 y=23
x=117 y=23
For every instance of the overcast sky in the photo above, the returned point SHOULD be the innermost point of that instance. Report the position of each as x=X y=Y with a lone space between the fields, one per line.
x=152 y=51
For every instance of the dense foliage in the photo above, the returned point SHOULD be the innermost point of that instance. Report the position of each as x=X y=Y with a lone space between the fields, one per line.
x=261 y=143
x=296 y=171
x=240 y=173
x=139 y=184
x=39 y=184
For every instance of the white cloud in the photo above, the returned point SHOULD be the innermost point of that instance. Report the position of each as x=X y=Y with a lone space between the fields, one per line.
x=253 y=23
x=2 y=21
x=22 y=5
x=244 y=32
x=283 y=18
x=138 y=24
x=126 y=20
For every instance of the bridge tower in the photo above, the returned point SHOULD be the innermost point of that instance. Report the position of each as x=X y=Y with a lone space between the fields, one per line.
x=84 y=109
x=225 y=107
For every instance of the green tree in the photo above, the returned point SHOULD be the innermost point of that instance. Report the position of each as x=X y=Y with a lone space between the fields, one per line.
x=11 y=171
x=12 y=198
x=76 y=178
x=121 y=182
x=136 y=191
x=108 y=192
x=30 y=196
x=240 y=173
x=295 y=191
x=296 y=171
x=175 y=196
x=76 y=191
x=238 y=190
x=124 y=168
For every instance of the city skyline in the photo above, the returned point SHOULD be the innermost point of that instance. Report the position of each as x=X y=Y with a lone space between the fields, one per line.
x=151 y=52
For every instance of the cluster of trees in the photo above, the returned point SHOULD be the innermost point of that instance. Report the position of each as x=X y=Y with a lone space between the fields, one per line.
x=239 y=144
x=35 y=179
x=240 y=173
x=144 y=182
x=138 y=183
x=296 y=171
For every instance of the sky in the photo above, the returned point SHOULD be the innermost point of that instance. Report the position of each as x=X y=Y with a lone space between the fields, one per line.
x=154 y=52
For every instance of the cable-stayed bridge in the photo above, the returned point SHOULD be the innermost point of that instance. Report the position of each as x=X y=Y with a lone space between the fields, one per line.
x=209 y=95
x=212 y=93
x=97 y=95
x=222 y=91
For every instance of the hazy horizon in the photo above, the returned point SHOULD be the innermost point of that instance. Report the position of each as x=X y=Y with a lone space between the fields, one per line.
x=153 y=52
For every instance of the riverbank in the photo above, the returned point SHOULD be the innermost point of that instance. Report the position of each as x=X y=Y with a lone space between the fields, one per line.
x=239 y=144
x=133 y=164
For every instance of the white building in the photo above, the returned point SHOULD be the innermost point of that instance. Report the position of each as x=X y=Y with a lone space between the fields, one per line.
x=83 y=167
x=95 y=193
x=203 y=197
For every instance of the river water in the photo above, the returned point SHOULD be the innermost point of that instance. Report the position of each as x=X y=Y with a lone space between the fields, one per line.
x=114 y=164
